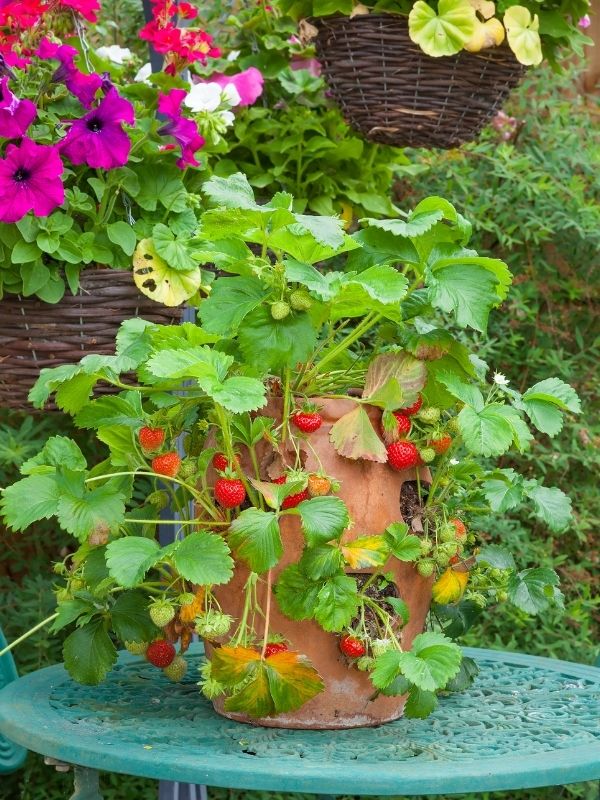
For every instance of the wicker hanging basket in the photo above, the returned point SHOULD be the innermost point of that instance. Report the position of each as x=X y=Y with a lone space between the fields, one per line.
x=395 y=94
x=34 y=334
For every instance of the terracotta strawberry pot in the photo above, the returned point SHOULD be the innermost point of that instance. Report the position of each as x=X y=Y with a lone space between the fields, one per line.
x=371 y=492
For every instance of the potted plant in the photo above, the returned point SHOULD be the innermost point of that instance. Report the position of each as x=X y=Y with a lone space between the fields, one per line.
x=432 y=73
x=338 y=441
x=98 y=159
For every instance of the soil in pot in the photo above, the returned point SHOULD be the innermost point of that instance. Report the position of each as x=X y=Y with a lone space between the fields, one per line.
x=372 y=492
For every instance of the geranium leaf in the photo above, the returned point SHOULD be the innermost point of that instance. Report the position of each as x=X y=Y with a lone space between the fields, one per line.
x=256 y=539
x=366 y=551
x=337 y=603
x=444 y=33
x=323 y=519
x=128 y=559
x=522 y=32
x=160 y=282
x=353 y=436
x=203 y=558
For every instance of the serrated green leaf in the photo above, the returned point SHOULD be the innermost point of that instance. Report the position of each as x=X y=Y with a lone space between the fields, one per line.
x=420 y=703
x=255 y=538
x=544 y=402
x=534 y=590
x=379 y=247
x=465 y=392
x=403 y=545
x=416 y=224
x=408 y=371
x=203 y=558
x=273 y=344
x=129 y=559
x=80 y=510
x=337 y=603
x=461 y=617
x=68 y=611
x=296 y=594
x=59 y=451
x=130 y=619
x=231 y=192
x=328 y=231
x=504 y=493
x=238 y=394
x=321 y=561
x=487 y=432
x=431 y=662
x=354 y=437
x=29 y=500
x=230 y=300
x=496 y=556
x=323 y=519
x=551 y=504
x=89 y=653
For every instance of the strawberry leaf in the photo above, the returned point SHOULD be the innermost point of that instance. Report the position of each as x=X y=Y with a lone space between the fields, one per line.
x=420 y=703
x=366 y=551
x=128 y=559
x=431 y=662
x=486 y=432
x=544 y=402
x=130 y=619
x=322 y=561
x=203 y=558
x=403 y=545
x=89 y=653
x=231 y=665
x=337 y=603
x=29 y=500
x=535 y=590
x=408 y=371
x=292 y=681
x=256 y=539
x=229 y=302
x=551 y=505
x=323 y=519
x=272 y=344
x=353 y=436
x=296 y=594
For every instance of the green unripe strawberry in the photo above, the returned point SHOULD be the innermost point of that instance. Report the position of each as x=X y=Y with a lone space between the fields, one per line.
x=447 y=532
x=159 y=499
x=425 y=546
x=427 y=454
x=429 y=415
x=453 y=425
x=161 y=613
x=137 y=648
x=478 y=598
x=280 y=310
x=502 y=596
x=185 y=598
x=425 y=567
x=365 y=663
x=380 y=646
x=449 y=548
x=176 y=669
x=63 y=594
x=212 y=624
x=300 y=300
x=188 y=468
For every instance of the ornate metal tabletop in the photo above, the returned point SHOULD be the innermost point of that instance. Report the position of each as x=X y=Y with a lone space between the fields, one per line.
x=526 y=722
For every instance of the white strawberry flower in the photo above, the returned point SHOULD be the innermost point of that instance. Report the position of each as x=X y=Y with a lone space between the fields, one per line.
x=500 y=379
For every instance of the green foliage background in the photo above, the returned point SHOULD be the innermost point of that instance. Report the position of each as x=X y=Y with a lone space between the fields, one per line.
x=536 y=204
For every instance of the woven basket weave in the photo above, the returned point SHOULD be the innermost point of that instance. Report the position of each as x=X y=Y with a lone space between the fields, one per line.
x=393 y=93
x=34 y=334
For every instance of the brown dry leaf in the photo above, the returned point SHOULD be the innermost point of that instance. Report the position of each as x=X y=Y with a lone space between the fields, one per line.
x=307 y=32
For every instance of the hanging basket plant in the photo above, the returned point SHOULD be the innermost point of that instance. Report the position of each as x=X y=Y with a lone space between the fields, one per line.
x=336 y=475
x=429 y=74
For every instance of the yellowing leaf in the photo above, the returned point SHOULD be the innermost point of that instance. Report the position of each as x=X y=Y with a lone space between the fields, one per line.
x=230 y=665
x=158 y=281
x=487 y=34
x=486 y=8
x=523 y=36
x=353 y=436
x=254 y=698
x=292 y=680
x=450 y=586
x=366 y=551
x=444 y=33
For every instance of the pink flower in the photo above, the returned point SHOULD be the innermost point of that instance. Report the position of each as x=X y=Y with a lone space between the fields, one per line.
x=184 y=131
x=98 y=138
x=249 y=84
x=15 y=115
x=87 y=8
x=30 y=180
x=83 y=86
x=585 y=22
x=187 y=11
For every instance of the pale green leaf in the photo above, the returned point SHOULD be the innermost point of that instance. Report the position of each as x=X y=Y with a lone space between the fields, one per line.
x=128 y=559
x=444 y=33
x=29 y=500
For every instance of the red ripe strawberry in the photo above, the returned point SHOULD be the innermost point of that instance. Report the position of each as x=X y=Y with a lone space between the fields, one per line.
x=275 y=647
x=280 y=480
x=151 y=438
x=167 y=464
x=352 y=647
x=229 y=492
x=307 y=421
x=414 y=408
x=454 y=560
x=160 y=653
x=220 y=462
x=442 y=444
x=404 y=424
x=403 y=455
x=459 y=527
x=293 y=500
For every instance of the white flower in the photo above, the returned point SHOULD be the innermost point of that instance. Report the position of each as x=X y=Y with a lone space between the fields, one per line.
x=203 y=97
x=228 y=117
x=500 y=379
x=143 y=74
x=233 y=55
x=114 y=53
x=231 y=95
x=454 y=461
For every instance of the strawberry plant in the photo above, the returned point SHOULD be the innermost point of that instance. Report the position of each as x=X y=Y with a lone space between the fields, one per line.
x=246 y=394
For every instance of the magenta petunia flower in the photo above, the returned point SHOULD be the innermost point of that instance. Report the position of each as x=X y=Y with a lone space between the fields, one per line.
x=83 y=86
x=98 y=138
x=585 y=22
x=15 y=115
x=249 y=84
x=30 y=180
x=184 y=131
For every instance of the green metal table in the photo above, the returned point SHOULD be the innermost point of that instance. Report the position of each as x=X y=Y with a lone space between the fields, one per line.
x=526 y=722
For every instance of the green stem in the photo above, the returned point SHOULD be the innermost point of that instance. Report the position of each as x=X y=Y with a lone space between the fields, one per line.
x=28 y=633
